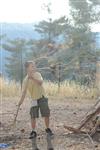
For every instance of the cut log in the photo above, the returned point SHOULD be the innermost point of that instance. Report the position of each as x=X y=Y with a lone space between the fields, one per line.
x=89 y=117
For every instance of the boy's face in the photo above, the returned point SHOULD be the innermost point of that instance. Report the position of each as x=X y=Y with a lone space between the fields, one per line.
x=31 y=67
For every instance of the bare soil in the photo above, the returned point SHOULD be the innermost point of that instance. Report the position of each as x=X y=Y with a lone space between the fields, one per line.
x=64 y=111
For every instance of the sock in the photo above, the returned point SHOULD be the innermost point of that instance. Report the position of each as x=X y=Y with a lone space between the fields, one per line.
x=33 y=130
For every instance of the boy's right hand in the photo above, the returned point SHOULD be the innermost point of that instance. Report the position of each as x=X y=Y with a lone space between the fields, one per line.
x=31 y=75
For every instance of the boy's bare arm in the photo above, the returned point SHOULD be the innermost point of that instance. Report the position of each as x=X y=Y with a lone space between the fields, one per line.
x=38 y=81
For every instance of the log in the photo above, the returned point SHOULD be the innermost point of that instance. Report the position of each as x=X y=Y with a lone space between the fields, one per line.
x=87 y=119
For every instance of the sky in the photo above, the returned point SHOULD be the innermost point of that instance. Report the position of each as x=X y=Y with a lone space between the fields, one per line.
x=29 y=11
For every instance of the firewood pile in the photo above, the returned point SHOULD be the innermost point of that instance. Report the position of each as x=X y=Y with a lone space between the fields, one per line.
x=90 y=124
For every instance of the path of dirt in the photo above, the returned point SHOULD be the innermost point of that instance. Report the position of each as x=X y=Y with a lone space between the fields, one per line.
x=63 y=111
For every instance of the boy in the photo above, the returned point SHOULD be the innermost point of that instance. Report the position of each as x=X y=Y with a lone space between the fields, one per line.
x=33 y=82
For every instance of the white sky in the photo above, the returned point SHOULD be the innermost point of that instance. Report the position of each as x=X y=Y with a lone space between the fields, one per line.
x=23 y=11
x=28 y=11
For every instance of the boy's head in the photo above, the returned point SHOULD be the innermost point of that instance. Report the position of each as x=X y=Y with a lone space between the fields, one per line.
x=30 y=66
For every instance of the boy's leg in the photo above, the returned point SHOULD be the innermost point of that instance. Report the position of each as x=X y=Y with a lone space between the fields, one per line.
x=47 y=120
x=33 y=133
x=34 y=112
x=48 y=130
x=33 y=123
x=45 y=112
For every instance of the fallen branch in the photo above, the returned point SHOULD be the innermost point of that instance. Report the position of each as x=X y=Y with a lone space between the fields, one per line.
x=75 y=130
x=87 y=119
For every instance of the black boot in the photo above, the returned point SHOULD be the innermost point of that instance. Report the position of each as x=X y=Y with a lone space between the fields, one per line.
x=48 y=131
x=33 y=134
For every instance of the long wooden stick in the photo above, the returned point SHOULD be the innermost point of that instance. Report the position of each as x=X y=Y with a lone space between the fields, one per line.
x=16 y=115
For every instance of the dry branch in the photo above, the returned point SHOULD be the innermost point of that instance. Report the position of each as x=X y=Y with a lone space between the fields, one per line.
x=84 y=122
x=89 y=117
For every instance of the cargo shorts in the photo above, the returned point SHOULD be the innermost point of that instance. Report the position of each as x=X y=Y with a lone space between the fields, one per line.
x=42 y=105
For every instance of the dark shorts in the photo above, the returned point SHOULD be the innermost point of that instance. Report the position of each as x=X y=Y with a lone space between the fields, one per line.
x=42 y=105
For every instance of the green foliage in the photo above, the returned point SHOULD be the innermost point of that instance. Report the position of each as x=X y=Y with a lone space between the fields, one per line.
x=81 y=38
x=50 y=29
x=76 y=50
x=14 y=67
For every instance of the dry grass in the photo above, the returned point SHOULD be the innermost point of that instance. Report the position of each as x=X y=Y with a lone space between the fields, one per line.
x=70 y=89
x=9 y=88
x=12 y=89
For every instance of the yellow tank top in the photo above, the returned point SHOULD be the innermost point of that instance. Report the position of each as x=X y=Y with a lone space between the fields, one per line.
x=35 y=90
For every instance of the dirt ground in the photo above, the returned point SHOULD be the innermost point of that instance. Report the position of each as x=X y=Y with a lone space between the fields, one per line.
x=64 y=111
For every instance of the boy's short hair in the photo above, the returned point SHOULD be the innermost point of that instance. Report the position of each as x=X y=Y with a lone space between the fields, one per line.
x=27 y=63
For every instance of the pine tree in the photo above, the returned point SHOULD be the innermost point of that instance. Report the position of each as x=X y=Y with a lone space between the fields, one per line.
x=16 y=59
x=81 y=39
